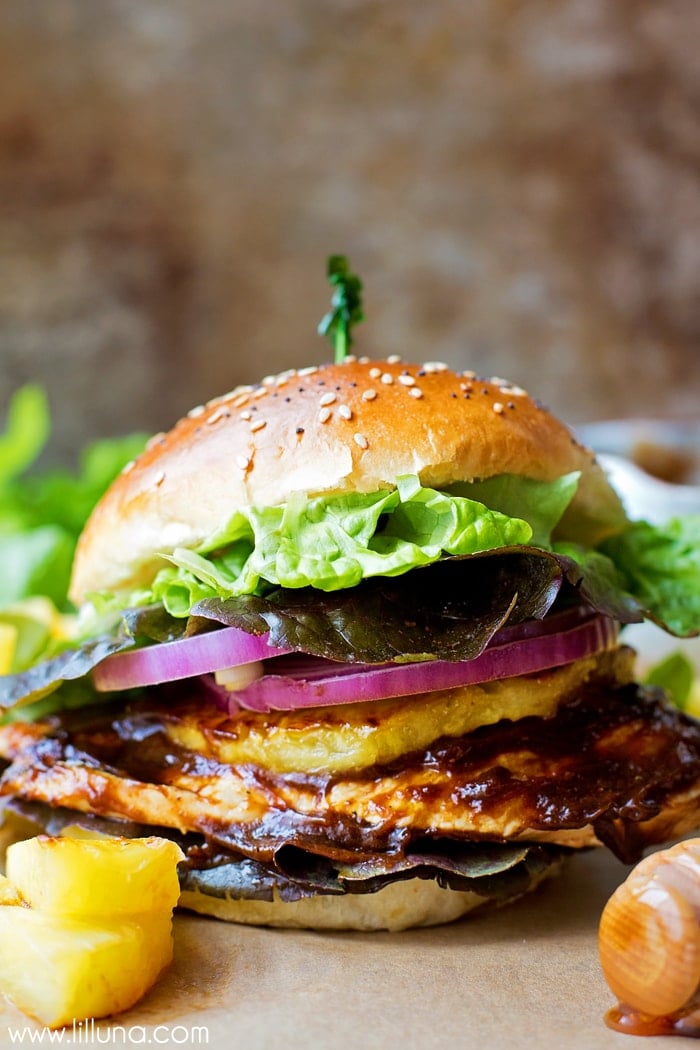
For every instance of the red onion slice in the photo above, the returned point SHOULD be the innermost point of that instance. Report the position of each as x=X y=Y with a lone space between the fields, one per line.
x=184 y=658
x=318 y=683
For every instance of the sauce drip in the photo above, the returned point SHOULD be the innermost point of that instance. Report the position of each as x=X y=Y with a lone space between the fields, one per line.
x=685 y=1022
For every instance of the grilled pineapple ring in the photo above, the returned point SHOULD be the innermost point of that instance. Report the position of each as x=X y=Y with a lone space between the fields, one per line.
x=352 y=737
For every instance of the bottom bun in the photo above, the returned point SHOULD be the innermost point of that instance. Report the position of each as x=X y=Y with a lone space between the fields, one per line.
x=398 y=906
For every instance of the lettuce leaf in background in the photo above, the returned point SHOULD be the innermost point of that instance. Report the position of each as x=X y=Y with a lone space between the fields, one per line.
x=35 y=561
x=660 y=565
x=615 y=581
x=42 y=513
x=28 y=428
x=676 y=674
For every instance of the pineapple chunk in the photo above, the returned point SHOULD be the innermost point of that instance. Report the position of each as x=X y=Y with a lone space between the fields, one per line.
x=95 y=877
x=8 y=892
x=59 y=969
x=85 y=923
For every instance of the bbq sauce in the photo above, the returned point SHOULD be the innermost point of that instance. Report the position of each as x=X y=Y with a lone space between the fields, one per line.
x=685 y=1022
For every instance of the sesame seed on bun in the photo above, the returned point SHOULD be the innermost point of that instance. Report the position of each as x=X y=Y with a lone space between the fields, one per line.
x=329 y=429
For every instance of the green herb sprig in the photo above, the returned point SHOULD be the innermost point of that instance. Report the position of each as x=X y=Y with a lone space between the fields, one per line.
x=346 y=303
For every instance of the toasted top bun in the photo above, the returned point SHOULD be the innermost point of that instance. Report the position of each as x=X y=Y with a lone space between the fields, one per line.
x=354 y=426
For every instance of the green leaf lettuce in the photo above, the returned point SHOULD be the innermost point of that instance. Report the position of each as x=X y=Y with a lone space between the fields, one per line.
x=42 y=512
x=334 y=543
x=660 y=565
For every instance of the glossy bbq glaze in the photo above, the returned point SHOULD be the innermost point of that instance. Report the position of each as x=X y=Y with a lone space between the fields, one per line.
x=632 y=1022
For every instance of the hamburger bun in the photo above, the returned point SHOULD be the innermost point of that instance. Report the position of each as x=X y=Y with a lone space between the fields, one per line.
x=332 y=429
x=398 y=906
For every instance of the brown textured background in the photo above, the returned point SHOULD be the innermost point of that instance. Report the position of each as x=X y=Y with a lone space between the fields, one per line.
x=517 y=183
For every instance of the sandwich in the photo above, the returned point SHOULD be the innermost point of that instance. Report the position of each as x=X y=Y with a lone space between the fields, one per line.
x=352 y=637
